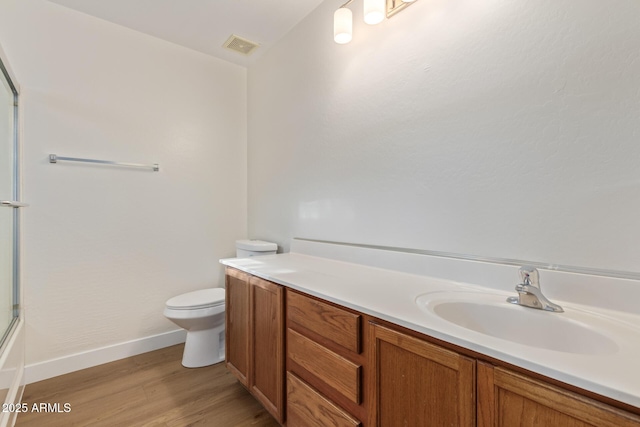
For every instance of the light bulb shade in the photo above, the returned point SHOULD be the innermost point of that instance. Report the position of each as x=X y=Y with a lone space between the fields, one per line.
x=342 y=25
x=374 y=11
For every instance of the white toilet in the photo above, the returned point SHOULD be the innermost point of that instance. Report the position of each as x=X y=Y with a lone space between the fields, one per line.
x=201 y=313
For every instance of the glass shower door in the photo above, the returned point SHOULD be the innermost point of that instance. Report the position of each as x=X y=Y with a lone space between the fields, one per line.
x=9 y=215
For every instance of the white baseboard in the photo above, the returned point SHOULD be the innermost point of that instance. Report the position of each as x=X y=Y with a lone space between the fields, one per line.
x=87 y=359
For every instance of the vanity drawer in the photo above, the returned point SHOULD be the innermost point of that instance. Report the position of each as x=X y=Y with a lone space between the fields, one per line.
x=306 y=407
x=334 y=370
x=337 y=325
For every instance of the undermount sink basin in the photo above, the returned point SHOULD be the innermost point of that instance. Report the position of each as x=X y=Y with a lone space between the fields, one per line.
x=573 y=331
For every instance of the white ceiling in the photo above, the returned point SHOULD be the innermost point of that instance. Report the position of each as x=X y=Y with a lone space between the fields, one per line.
x=204 y=25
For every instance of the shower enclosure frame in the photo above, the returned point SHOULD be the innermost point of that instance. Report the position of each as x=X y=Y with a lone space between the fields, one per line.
x=16 y=211
x=12 y=344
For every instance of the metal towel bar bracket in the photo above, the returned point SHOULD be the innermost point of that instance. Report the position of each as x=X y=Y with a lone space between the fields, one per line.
x=53 y=158
x=12 y=204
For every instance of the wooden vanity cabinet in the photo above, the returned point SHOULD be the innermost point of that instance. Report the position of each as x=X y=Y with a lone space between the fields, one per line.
x=507 y=399
x=255 y=337
x=347 y=369
x=416 y=383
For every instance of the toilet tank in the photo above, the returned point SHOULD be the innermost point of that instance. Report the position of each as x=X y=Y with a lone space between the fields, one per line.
x=248 y=248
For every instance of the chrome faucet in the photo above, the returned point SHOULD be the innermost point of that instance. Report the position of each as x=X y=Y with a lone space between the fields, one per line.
x=530 y=294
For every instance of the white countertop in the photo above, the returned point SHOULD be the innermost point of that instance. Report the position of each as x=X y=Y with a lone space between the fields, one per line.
x=390 y=295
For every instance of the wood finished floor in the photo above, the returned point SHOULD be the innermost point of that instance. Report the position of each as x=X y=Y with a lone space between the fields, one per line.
x=151 y=389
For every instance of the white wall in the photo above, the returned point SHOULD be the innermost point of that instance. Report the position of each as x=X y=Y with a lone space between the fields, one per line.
x=496 y=128
x=105 y=247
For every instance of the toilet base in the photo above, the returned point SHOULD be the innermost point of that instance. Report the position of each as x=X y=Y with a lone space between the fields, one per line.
x=202 y=348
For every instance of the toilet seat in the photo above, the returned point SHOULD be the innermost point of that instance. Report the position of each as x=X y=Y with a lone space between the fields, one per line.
x=204 y=298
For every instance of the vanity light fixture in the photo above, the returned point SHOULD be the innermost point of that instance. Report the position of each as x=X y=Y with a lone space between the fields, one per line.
x=343 y=24
x=374 y=13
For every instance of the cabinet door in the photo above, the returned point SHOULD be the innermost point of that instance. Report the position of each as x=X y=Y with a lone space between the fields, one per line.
x=508 y=399
x=237 y=324
x=417 y=383
x=267 y=345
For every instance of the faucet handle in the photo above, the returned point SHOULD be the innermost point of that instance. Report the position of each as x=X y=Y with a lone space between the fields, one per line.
x=529 y=293
x=530 y=276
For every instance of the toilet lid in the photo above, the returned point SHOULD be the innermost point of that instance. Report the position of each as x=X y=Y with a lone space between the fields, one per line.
x=198 y=299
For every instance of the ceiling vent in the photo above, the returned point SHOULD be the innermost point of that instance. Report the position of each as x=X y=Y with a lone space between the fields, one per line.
x=240 y=45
